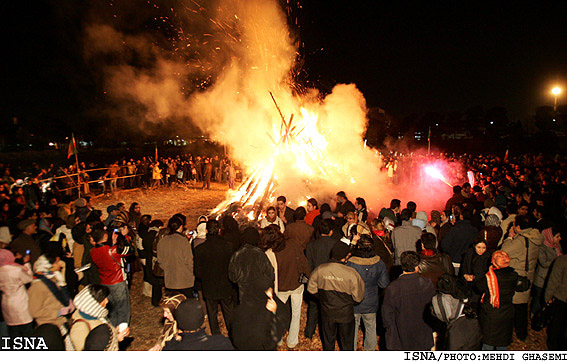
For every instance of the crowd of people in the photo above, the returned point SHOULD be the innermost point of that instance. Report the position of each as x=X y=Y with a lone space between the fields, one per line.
x=465 y=277
x=40 y=184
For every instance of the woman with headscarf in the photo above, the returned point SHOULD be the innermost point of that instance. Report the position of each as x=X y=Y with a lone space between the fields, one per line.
x=169 y=305
x=548 y=252
x=260 y=319
x=498 y=287
x=15 y=300
x=491 y=232
x=474 y=266
x=134 y=215
x=49 y=299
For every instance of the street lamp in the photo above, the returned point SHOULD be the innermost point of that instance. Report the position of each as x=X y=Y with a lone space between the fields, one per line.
x=555 y=91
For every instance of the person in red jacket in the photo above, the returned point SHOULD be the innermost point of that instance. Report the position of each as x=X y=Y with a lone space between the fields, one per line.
x=108 y=259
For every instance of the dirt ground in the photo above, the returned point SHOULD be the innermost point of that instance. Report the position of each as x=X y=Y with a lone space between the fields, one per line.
x=146 y=323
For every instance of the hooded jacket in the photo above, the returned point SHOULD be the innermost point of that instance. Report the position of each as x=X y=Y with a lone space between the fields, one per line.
x=374 y=274
x=516 y=249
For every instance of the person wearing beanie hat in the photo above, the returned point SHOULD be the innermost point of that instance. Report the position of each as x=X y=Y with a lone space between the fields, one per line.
x=339 y=288
x=495 y=211
x=102 y=338
x=421 y=222
x=492 y=220
x=81 y=209
x=190 y=318
x=200 y=236
x=170 y=328
x=498 y=287
x=112 y=211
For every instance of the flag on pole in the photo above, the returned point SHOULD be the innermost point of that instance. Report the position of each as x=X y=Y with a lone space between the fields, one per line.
x=72 y=150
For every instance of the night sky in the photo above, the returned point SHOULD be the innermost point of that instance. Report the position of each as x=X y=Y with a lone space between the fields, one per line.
x=405 y=58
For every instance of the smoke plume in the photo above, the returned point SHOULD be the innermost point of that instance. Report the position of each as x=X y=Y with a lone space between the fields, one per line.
x=217 y=72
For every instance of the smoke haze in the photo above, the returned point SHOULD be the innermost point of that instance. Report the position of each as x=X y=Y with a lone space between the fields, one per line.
x=226 y=58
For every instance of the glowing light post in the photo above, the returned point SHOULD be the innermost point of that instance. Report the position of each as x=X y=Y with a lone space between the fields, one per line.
x=555 y=91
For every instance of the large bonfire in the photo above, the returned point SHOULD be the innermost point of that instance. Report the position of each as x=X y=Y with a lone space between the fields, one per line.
x=290 y=139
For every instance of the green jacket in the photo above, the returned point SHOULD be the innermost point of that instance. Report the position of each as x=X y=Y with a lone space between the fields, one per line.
x=516 y=249
x=557 y=284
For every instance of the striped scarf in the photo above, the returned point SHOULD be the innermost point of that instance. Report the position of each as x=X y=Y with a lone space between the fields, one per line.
x=87 y=304
x=493 y=289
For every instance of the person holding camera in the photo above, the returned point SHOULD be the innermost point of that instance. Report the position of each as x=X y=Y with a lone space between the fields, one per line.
x=109 y=259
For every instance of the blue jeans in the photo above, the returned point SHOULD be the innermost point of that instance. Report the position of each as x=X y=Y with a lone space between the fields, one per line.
x=119 y=300
x=370 y=339
x=490 y=347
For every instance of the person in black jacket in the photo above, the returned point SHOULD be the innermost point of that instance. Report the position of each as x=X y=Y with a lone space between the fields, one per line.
x=254 y=325
x=148 y=238
x=250 y=268
x=211 y=267
x=497 y=310
x=230 y=231
x=284 y=212
x=318 y=252
x=404 y=306
x=473 y=268
x=433 y=263
x=459 y=238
